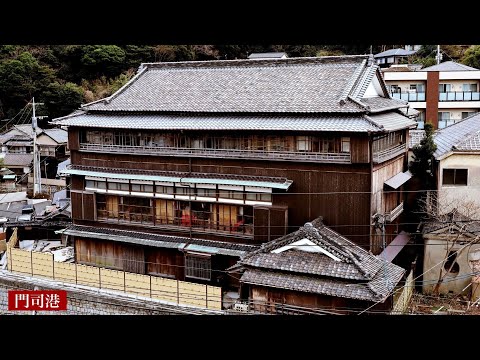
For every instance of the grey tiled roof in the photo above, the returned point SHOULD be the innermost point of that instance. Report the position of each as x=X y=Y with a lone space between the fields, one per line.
x=378 y=104
x=59 y=135
x=155 y=240
x=353 y=123
x=449 y=66
x=415 y=137
x=391 y=120
x=295 y=85
x=355 y=275
x=17 y=159
x=453 y=217
x=462 y=134
x=395 y=52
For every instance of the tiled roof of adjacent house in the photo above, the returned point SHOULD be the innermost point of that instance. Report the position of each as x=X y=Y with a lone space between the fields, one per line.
x=395 y=52
x=449 y=66
x=295 y=85
x=349 y=271
x=454 y=217
x=267 y=55
x=17 y=159
x=461 y=136
x=155 y=240
x=59 y=135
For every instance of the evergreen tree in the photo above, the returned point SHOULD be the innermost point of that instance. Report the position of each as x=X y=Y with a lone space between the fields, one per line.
x=421 y=166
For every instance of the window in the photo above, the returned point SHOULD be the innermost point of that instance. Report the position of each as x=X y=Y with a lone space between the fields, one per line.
x=444 y=88
x=206 y=192
x=417 y=88
x=469 y=87
x=444 y=119
x=394 y=89
x=142 y=188
x=198 y=266
x=346 y=144
x=451 y=265
x=229 y=194
x=95 y=184
x=161 y=189
x=421 y=120
x=455 y=176
x=466 y=114
x=259 y=197
x=118 y=186
x=304 y=143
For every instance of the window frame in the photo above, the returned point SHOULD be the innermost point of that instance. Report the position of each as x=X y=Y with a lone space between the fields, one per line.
x=454 y=183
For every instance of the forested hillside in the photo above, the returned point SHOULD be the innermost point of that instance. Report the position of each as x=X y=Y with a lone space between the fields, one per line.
x=64 y=76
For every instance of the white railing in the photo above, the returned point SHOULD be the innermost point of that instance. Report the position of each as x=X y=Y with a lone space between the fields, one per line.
x=392 y=215
x=383 y=155
x=223 y=153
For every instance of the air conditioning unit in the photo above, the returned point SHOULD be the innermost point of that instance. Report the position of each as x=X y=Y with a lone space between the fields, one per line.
x=240 y=307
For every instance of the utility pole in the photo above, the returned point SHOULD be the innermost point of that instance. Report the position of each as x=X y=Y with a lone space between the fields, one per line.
x=380 y=224
x=37 y=180
x=438 y=54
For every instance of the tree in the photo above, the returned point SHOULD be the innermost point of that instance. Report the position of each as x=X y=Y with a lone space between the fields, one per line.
x=421 y=166
x=62 y=99
x=472 y=56
x=104 y=59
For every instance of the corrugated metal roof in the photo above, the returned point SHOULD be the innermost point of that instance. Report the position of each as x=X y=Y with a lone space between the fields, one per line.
x=355 y=123
x=292 y=85
x=276 y=183
x=398 y=180
x=397 y=244
x=449 y=66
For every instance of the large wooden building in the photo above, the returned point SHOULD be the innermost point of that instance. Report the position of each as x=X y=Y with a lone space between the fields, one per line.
x=191 y=165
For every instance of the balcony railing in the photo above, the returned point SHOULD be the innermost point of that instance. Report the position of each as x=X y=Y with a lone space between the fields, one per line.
x=219 y=153
x=383 y=155
x=392 y=215
x=409 y=96
x=459 y=96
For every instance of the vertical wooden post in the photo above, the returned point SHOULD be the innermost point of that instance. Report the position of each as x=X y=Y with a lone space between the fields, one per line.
x=31 y=261
x=124 y=283
x=76 y=277
x=150 y=286
x=53 y=267
x=178 y=294
x=206 y=296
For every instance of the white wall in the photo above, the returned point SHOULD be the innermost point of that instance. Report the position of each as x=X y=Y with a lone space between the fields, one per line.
x=465 y=198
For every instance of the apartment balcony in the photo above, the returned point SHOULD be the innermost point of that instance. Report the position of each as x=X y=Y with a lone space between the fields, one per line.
x=343 y=158
x=409 y=96
x=387 y=154
x=392 y=215
x=459 y=96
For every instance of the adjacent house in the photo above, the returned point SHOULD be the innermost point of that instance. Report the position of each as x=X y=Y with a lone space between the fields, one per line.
x=450 y=240
x=393 y=56
x=191 y=165
x=443 y=93
x=316 y=267
x=457 y=167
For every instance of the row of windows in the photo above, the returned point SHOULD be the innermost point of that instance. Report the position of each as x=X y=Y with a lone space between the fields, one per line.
x=387 y=141
x=245 y=143
x=198 y=215
x=442 y=88
x=178 y=191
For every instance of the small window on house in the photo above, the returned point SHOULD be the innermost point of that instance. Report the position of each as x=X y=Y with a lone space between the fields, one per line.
x=346 y=144
x=142 y=188
x=304 y=143
x=455 y=176
x=206 y=192
x=198 y=266
x=451 y=265
x=118 y=186
x=469 y=87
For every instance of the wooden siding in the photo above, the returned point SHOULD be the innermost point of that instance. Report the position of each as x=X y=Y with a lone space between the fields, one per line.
x=162 y=262
x=338 y=192
x=73 y=140
x=360 y=150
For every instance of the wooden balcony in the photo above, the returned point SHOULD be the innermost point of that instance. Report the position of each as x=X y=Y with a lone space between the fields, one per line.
x=387 y=154
x=343 y=158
